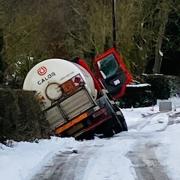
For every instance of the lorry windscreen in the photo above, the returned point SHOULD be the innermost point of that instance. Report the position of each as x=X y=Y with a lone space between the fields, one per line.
x=108 y=66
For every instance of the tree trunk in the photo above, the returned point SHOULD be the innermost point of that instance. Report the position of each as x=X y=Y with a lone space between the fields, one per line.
x=164 y=12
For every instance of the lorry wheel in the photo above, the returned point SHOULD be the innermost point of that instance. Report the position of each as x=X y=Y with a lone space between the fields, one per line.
x=120 y=118
x=123 y=123
x=89 y=136
x=108 y=132
x=117 y=125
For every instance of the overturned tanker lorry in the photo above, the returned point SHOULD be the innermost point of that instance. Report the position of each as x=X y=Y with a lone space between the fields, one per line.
x=78 y=102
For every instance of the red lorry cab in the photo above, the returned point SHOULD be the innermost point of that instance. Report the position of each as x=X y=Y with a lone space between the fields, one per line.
x=111 y=71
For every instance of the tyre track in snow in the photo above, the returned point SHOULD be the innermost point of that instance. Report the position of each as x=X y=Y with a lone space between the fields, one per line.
x=68 y=165
x=143 y=157
x=145 y=163
x=71 y=165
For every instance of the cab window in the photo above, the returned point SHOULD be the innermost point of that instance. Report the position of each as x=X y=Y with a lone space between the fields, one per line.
x=108 y=66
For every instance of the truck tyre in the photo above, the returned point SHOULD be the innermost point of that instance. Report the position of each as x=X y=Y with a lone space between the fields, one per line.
x=108 y=132
x=117 y=125
x=120 y=119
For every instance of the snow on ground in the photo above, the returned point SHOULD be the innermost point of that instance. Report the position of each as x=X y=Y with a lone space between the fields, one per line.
x=166 y=126
x=20 y=162
x=169 y=151
x=110 y=162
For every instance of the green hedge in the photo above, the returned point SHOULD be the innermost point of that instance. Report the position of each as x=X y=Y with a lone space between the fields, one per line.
x=20 y=116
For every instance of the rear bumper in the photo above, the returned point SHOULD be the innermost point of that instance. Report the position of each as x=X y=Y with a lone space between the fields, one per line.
x=84 y=125
x=97 y=125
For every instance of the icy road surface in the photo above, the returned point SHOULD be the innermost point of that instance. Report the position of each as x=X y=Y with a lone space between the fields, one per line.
x=150 y=150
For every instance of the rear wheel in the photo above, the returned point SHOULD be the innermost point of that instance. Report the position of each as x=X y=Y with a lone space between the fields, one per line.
x=120 y=120
x=108 y=132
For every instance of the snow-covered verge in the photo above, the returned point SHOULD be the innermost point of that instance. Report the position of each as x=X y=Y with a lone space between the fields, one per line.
x=24 y=159
x=163 y=129
x=110 y=161
x=21 y=161
x=169 y=150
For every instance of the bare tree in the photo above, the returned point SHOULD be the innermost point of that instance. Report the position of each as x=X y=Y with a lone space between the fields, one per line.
x=164 y=9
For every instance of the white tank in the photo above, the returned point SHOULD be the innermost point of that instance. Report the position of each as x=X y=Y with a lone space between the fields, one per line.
x=55 y=71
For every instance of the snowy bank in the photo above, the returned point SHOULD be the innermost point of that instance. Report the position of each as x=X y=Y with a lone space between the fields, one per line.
x=24 y=159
